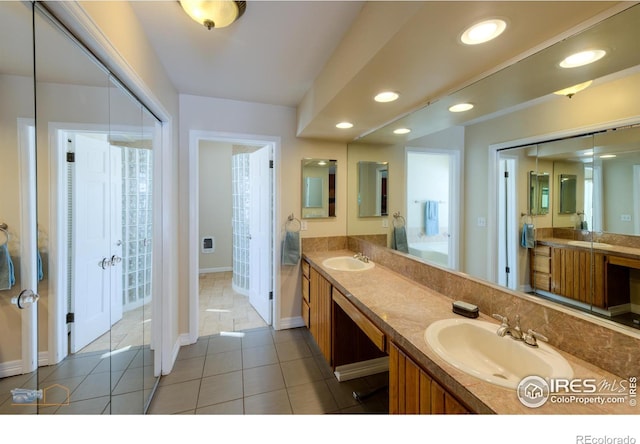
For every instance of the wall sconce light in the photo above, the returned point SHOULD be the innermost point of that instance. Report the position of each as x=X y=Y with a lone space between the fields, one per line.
x=214 y=14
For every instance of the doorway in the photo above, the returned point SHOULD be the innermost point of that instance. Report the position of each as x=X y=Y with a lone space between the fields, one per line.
x=234 y=266
x=432 y=200
x=507 y=222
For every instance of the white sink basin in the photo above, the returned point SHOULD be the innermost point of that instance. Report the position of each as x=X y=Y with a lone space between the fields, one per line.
x=587 y=244
x=474 y=347
x=347 y=263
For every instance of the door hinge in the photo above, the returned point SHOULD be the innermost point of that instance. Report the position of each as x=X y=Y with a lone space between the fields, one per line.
x=271 y=164
x=71 y=157
x=507 y=270
x=271 y=295
x=71 y=317
x=506 y=174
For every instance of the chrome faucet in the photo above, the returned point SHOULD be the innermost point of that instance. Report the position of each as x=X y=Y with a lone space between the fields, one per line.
x=530 y=337
x=362 y=257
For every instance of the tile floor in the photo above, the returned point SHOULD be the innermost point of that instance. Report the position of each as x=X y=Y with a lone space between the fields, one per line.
x=255 y=370
x=261 y=372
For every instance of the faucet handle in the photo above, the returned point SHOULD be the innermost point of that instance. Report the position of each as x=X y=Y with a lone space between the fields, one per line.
x=531 y=338
x=503 y=319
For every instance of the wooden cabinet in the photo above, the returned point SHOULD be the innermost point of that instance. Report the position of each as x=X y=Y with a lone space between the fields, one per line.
x=320 y=312
x=413 y=391
x=541 y=267
x=305 y=293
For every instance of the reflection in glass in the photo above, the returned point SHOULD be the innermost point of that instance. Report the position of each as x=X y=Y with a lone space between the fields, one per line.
x=318 y=188
x=373 y=183
x=567 y=193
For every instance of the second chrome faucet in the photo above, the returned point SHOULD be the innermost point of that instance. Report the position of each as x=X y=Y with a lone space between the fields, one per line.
x=530 y=337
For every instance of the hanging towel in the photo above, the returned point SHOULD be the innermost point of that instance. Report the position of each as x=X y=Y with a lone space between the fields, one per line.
x=400 y=239
x=7 y=276
x=431 y=218
x=291 y=248
x=527 y=240
x=40 y=272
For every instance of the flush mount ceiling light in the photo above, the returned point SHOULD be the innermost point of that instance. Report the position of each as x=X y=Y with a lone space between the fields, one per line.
x=401 y=131
x=344 y=125
x=607 y=156
x=386 y=96
x=572 y=90
x=214 y=14
x=583 y=58
x=483 y=32
x=461 y=107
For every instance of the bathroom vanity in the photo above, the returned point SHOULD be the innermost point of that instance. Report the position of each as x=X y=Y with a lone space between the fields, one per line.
x=592 y=273
x=358 y=315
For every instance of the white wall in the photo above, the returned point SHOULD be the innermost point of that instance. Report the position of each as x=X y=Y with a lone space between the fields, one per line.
x=215 y=204
x=255 y=119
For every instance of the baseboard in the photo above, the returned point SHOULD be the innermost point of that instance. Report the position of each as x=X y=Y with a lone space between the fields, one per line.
x=10 y=368
x=363 y=368
x=292 y=322
x=214 y=270
x=616 y=310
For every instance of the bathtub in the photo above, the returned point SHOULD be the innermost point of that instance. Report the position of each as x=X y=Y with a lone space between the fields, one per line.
x=437 y=252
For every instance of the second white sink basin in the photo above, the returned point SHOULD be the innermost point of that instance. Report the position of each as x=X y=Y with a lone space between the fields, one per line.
x=347 y=263
x=474 y=347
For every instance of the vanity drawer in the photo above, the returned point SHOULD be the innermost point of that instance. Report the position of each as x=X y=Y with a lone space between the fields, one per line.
x=542 y=250
x=542 y=281
x=368 y=328
x=306 y=314
x=542 y=264
x=305 y=269
x=305 y=289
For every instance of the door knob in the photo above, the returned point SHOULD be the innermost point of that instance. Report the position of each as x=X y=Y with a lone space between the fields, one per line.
x=115 y=259
x=104 y=263
x=26 y=297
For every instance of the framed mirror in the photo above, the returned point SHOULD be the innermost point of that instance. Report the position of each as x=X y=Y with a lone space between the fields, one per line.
x=318 y=188
x=538 y=193
x=568 y=184
x=373 y=183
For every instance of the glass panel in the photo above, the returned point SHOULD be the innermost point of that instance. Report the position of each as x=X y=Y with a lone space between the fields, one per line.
x=18 y=270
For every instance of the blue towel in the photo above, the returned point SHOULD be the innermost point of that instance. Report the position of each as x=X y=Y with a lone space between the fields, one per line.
x=291 y=248
x=40 y=272
x=400 y=239
x=431 y=218
x=527 y=240
x=7 y=276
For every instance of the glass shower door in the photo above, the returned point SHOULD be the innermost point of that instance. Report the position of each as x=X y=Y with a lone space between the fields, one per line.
x=19 y=391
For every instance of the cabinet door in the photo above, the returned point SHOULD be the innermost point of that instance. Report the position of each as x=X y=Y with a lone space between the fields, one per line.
x=413 y=391
x=320 y=312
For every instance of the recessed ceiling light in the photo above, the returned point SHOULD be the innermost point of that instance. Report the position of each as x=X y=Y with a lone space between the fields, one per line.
x=461 y=107
x=572 y=90
x=386 y=96
x=483 y=32
x=607 y=156
x=344 y=125
x=582 y=58
x=322 y=163
x=401 y=131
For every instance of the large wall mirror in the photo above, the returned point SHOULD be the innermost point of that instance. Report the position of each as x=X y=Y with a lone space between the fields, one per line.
x=81 y=233
x=318 y=188
x=570 y=173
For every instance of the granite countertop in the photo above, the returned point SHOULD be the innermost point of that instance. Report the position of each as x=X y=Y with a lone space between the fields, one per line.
x=403 y=309
x=598 y=247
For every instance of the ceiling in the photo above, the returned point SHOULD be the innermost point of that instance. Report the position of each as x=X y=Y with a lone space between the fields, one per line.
x=328 y=58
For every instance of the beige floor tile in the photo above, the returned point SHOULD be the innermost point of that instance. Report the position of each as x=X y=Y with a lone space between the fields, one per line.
x=220 y=388
x=291 y=350
x=235 y=407
x=312 y=399
x=225 y=362
x=185 y=370
x=175 y=398
x=300 y=371
x=262 y=379
x=258 y=356
x=270 y=403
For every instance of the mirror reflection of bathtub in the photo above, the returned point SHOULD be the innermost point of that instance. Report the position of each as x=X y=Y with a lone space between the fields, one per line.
x=432 y=251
